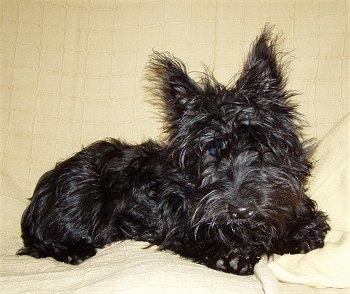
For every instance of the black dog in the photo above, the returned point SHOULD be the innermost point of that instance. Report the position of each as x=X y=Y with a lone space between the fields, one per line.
x=227 y=186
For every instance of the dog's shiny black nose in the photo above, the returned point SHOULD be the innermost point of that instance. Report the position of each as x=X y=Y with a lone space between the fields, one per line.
x=241 y=211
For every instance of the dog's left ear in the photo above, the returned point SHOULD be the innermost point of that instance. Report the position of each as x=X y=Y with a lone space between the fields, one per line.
x=262 y=73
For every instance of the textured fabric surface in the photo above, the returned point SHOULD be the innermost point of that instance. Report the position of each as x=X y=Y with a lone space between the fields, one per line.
x=121 y=268
x=72 y=72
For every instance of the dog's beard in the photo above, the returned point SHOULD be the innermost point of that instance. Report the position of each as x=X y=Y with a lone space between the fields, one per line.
x=210 y=215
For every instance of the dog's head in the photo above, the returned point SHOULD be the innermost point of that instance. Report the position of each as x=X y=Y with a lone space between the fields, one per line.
x=239 y=146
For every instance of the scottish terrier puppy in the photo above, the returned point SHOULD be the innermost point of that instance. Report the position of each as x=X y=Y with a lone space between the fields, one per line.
x=226 y=187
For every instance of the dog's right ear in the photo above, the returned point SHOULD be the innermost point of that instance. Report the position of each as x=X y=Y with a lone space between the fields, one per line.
x=170 y=81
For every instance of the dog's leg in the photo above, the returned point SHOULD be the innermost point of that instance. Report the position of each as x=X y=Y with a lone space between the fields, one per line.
x=74 y=205
x=305 y=233
x=68 y=253
x=238 y=260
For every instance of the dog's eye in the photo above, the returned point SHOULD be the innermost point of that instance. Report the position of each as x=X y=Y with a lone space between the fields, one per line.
x=213 y=151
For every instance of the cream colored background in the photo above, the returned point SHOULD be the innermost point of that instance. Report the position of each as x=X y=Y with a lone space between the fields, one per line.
x=72 y=72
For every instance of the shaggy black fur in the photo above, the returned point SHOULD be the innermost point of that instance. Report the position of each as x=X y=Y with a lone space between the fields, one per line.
x=224 y=189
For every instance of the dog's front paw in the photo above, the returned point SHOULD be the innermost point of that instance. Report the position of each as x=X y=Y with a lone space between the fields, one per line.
x=310 y=241
x=309 y=237
x=304 y=236
x=238 y=261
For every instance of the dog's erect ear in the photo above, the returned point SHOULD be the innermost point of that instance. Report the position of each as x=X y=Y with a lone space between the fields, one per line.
x=263 y=70
x=171 y=82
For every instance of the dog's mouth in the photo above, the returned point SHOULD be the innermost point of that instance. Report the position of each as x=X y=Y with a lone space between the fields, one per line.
x=216 y=207
x=217 y=212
